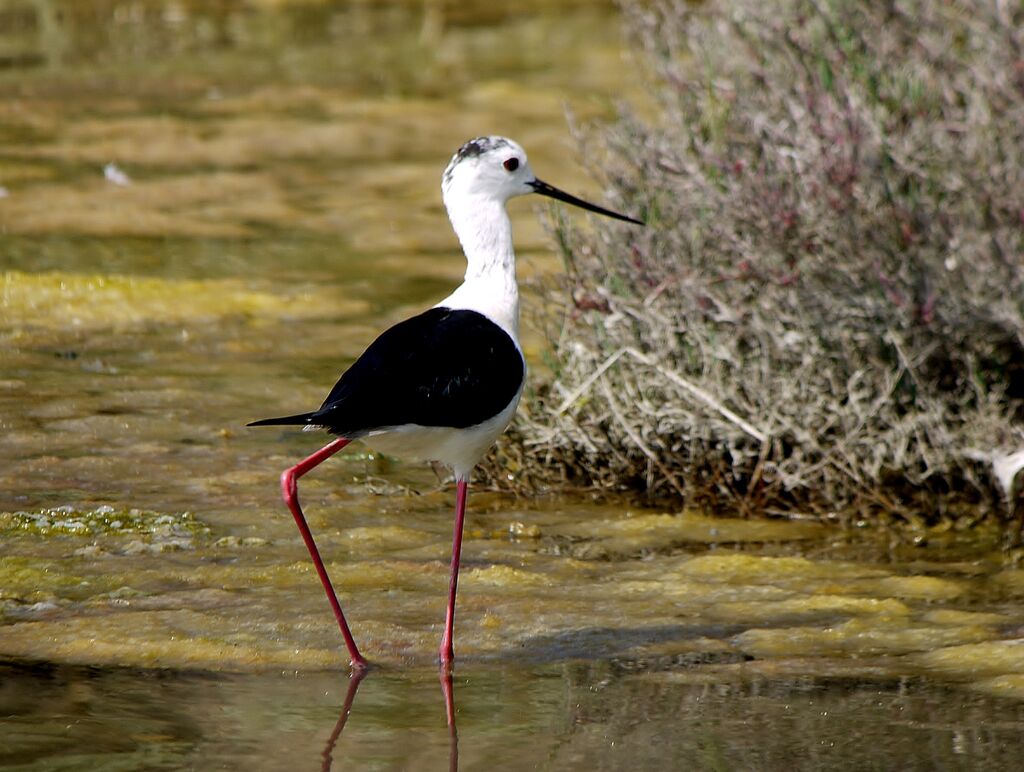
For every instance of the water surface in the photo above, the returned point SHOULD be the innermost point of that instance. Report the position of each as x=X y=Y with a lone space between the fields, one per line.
x=570 y=716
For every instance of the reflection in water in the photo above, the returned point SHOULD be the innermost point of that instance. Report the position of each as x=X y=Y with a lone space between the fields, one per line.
x=448 y=690
x=356 y=678
x=572 y=716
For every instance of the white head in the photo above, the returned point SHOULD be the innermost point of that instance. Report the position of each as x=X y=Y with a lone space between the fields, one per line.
x=488 y=167
x=495 y=169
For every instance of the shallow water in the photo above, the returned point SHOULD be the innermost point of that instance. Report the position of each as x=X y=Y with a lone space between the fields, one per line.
x=282 y=205
x=564 y=716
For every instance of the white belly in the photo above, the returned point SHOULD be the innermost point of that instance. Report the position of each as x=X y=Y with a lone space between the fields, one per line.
x=461 y=449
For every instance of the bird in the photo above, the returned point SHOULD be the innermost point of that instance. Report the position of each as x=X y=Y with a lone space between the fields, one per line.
x=440 y=386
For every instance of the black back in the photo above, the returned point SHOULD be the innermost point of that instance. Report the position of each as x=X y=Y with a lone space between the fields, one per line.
x=444 y=367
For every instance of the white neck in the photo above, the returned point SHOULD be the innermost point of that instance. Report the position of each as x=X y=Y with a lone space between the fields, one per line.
x=490 y=287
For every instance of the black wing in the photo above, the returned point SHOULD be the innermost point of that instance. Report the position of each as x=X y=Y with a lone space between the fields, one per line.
x=443 y=367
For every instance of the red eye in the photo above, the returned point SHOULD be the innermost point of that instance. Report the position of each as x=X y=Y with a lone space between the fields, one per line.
x=511 y=164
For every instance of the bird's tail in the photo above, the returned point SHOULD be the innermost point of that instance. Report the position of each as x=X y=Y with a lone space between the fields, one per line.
x=298 y=419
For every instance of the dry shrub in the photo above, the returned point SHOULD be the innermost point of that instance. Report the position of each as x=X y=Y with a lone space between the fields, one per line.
x=826 y=311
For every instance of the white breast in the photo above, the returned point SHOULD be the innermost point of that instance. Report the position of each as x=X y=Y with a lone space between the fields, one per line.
x=461 y=449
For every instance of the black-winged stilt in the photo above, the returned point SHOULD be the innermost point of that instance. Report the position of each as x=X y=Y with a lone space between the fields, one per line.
x=442 y=385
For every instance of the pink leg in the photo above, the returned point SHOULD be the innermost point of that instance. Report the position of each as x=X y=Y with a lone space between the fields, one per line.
x=447 y=651
x=290 y=491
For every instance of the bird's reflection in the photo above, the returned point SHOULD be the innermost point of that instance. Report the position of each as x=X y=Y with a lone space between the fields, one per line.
x=353 y=686
x=447 y=690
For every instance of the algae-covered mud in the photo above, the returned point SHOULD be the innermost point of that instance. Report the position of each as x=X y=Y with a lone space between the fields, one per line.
x=586 y=635
x=208 y=210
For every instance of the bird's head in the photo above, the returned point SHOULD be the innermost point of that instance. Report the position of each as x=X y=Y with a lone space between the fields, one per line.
x=488 y=167
x=496 y=169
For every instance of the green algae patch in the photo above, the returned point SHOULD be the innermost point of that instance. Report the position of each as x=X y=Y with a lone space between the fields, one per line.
x=65 y=300
x=387 y=537
x=741 y=567
x=978 y=660
x=505 y=576
x=616 y=538
x=779 y=611
x=949 y=616
x=240 y=542
x=919 y=587
x=157 y=639
x=1011 y=686
x=698 y=595
x=30 y=580
x=1010 y=581
x=871 y=636
x=104 y=520
x=380 y=574
x=992 y=667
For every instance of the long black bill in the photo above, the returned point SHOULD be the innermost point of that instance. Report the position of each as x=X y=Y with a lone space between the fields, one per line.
x=551 y=192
